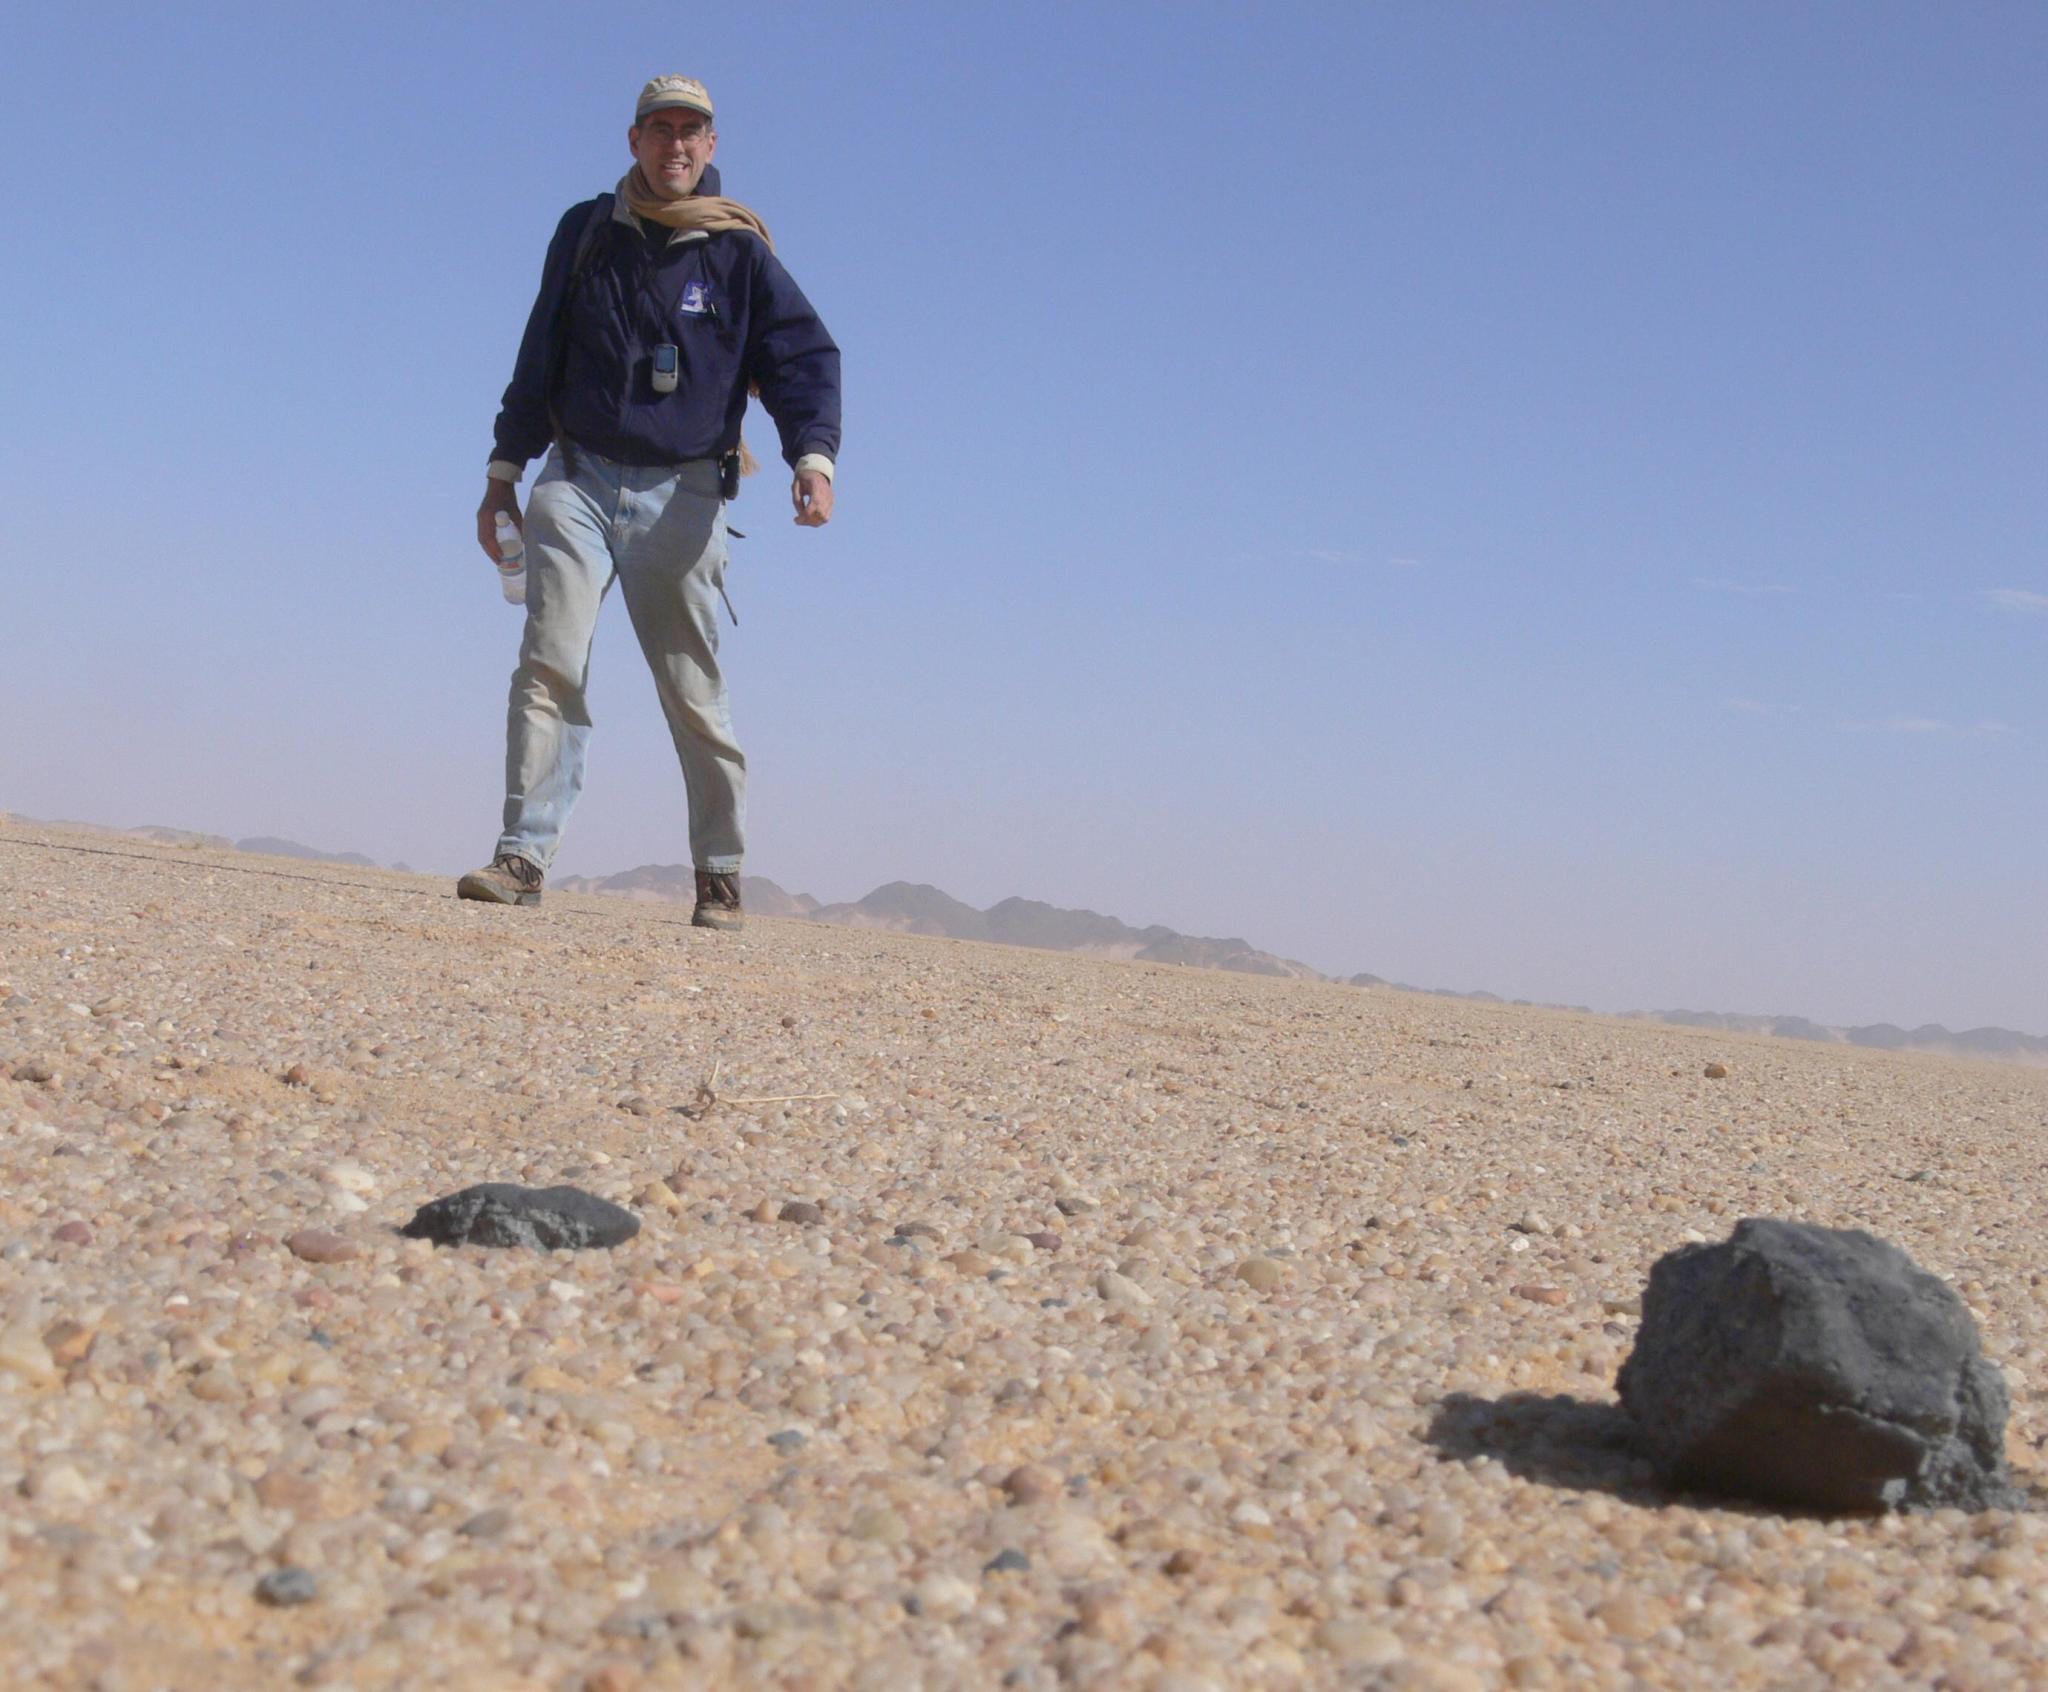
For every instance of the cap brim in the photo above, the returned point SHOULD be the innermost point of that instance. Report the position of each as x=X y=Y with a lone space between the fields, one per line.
x=675 y=106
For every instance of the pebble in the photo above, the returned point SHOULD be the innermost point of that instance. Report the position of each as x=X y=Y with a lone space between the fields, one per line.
x=288 y=1586
x=59 y=1486
x=1366 y=1644
x=876 y=1524
x=1261 y=1274
x=69 y=1341
x=317 y=1245
x=217 y=1384
x=802 y=1211
x=1011 y=1561
x=1032 y=1483
x=349 y=1177
x=1629 y=1616
x=281 y=1489
x=24 y=1353
x=1103 y=1615
x=944 y=1597
x=1117 y=1288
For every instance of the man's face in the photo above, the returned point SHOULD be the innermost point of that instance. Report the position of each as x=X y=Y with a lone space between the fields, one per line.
x=673 y=147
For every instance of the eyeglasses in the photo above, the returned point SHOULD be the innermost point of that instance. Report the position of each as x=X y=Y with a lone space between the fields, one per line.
x=667 y=135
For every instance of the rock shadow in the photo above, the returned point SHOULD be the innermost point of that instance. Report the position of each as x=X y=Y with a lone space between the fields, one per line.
x=1580 y=1446
x=1557 y=1440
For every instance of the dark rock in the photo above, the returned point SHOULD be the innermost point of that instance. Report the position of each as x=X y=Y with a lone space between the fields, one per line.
x=1816 y=1368
x=789 y=1439
x=498 y=1213
x=287 y=1586
x=802 y=1211
x=1007 y=1562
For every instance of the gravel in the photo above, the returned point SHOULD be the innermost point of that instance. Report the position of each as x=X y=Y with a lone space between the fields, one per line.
x=1316 y=1389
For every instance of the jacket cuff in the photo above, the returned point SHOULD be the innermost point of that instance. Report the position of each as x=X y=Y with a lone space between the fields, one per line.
x=504 y=470
x=815 y=461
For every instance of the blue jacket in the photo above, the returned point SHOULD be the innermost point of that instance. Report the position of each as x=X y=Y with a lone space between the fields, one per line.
x=723 y=300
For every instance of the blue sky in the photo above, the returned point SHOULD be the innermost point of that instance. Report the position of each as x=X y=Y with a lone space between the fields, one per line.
x=1541 y=498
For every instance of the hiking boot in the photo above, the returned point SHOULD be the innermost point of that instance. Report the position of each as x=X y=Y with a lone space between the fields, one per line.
x=510 y=880
x=718 y=901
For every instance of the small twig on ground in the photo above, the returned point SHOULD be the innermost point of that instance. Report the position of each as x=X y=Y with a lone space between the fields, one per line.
x=709 y=1097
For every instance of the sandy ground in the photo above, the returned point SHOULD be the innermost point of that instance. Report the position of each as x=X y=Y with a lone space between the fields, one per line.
x=1151 y=1328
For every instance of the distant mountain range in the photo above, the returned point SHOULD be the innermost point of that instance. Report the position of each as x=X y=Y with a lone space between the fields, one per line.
x=268 y=845
x=1885 y=1036
x=906 y=907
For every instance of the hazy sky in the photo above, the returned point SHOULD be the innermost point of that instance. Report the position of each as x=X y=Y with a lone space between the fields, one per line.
x=1546 y=498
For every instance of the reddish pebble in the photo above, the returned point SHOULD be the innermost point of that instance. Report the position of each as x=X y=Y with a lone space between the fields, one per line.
x=1032 y=1483
x=317 y=1245
x=1045 y=1240
x=1541 y=1295
x=313 y=1298
x=74 y=1233
x=298 y=1076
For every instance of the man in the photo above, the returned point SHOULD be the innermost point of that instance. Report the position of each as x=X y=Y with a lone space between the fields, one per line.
x=660 y=307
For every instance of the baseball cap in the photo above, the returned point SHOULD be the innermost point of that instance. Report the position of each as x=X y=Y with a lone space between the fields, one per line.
x=666 y=92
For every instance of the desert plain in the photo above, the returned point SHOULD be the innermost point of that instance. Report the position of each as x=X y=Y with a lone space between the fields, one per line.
x=997 y=1318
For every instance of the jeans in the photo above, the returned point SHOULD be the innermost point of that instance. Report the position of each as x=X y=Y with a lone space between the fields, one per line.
x=660 y=533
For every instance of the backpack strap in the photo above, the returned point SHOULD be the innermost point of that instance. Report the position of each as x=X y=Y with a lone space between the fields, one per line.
x=586 y=243
x=558 y=342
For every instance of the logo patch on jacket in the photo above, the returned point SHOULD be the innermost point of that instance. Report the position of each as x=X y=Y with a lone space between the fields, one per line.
x=696 y=299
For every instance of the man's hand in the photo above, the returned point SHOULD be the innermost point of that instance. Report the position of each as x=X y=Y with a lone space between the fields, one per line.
x=498 y=496
x=811 y=494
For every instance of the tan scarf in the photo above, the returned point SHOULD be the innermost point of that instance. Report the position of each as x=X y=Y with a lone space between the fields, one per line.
x=707 y=212
x=693 y=211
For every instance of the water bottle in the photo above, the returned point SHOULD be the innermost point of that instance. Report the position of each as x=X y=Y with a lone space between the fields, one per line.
x=511 y=560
